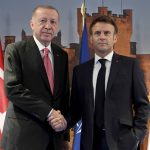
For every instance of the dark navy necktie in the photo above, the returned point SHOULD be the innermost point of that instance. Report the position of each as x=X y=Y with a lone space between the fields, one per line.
x=100 y=95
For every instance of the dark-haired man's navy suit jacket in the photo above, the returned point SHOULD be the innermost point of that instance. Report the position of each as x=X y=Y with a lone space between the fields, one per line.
x=126 y=105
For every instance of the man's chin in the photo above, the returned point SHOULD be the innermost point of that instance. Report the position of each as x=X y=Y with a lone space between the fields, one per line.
x=47 y=39
x=46 y=42
x=102 y=49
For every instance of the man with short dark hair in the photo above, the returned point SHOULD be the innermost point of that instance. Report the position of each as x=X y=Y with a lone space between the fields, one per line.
x=109 y=94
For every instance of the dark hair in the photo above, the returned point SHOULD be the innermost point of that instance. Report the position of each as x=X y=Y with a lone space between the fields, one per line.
x=44 y=6
x=104 y=19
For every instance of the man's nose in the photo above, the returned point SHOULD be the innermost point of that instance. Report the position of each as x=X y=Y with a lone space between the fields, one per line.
x=102 y=35
x=48 y=25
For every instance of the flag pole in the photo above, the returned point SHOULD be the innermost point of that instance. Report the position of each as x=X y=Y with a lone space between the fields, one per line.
x=102 y=3
x=121 y=8
x=83 y=12
x=84 y=56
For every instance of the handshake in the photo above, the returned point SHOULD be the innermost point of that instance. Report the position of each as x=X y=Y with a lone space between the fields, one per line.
x=57 y=121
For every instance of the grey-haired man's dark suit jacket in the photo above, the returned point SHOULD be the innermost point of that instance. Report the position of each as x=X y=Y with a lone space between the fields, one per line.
x=30 y=97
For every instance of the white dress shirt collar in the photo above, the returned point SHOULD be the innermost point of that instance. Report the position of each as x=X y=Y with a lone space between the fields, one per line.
x=41 y=46
x=107 y=57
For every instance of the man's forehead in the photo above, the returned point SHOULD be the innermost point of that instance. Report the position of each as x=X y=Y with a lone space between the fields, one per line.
x=46 y=12
x=45 y=16
x=103 y=26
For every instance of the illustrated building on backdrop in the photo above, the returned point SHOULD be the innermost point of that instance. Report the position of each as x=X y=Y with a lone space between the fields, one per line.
x=123 y=46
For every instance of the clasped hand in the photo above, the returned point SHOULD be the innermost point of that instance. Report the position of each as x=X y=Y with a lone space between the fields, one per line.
x=57 y=121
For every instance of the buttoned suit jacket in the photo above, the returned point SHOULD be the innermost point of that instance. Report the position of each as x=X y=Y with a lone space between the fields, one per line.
x=126 y=104
x=30 y=97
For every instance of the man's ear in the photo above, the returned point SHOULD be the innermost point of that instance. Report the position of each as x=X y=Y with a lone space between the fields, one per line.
x=91 y=39
x=31 y=24
x=115 y=38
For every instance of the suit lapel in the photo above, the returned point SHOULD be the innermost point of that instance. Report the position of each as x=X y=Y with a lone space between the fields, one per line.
x=38 y=62
x=57 y=65
x=90 y=82
x=113 y=71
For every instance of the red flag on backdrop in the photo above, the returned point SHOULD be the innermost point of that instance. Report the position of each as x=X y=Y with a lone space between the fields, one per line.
x=3 y=99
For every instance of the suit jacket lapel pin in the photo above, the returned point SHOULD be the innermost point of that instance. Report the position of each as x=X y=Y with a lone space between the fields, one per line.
x=117 y=61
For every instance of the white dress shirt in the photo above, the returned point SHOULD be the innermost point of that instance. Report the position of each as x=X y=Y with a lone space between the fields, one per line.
x=41 y=47
x=97 y=66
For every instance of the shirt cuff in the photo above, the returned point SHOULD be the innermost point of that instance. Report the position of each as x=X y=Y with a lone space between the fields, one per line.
x=50 y=113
